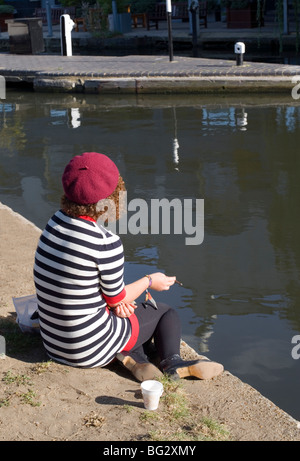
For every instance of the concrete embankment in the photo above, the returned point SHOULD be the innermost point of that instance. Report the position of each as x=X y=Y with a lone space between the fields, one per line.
x=244 y=411
x=145 y=74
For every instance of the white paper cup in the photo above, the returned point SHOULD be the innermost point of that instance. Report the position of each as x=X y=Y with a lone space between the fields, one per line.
x=151 y=390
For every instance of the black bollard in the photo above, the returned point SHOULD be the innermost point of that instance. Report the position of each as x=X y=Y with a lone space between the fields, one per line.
x=194 y=12
x=169 y=19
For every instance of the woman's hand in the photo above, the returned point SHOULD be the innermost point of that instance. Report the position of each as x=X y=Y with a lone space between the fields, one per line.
x=124 y=309
x=161 y=281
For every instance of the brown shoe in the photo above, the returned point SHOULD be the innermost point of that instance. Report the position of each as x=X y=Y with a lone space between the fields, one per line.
x=177 y=368
x=141 y=371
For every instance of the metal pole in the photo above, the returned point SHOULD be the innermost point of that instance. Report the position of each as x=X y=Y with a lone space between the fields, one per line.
x=190 y=16
x=115 y=16
x=285 y=17
x=169 y=18
x=63 y=43
x=49 y=19
x=194 y=11
x=239 y=60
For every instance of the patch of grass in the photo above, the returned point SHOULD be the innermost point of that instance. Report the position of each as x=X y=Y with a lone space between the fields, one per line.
x=175 y=419
x=10 y=378
x=149 y=416
x=174 y=398
x=29 y=398
x=128 y=408
x=13 y=381
x=211 y=429
x=41 y=367
x=192 y=429
x=5 y=401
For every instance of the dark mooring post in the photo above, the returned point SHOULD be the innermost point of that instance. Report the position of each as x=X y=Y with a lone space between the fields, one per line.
x=169 y=19
x=194 y=12
x=49 y=20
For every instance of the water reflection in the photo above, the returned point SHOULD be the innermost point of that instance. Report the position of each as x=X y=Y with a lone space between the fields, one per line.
x=240 y=156
x=69 y=117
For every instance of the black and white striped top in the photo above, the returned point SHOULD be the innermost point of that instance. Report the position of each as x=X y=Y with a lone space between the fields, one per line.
x=78 y=268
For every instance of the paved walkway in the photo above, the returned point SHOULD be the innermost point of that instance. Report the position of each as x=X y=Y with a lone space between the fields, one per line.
x=148 y=74
x=144 y=74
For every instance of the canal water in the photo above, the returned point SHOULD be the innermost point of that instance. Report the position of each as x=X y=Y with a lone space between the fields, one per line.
x=239 y=156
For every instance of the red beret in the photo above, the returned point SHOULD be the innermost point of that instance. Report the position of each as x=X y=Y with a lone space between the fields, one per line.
x=89 y=177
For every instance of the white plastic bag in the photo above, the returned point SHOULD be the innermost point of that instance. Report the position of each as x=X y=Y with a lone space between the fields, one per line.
x=26 y=308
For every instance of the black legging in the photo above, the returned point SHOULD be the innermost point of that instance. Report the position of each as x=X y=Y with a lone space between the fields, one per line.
x=162 y=324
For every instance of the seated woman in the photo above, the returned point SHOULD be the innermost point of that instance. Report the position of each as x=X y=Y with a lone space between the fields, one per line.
x=87 y=315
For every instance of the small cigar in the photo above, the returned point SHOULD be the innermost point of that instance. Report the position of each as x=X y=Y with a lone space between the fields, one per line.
x=179 y=283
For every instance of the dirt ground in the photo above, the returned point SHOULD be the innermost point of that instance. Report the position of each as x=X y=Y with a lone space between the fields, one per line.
x=45 y=401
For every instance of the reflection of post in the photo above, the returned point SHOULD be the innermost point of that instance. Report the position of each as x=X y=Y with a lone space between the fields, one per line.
x=169 y=18
x=175 y=141
x=75 y=117
x=241 y=120
x=175 y=151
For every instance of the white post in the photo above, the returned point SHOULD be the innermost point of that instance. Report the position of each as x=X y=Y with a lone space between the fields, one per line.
x=66 y=26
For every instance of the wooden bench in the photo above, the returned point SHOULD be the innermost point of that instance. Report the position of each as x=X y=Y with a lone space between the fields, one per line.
x=180 y=10
x=139 y=19
x=56 y=13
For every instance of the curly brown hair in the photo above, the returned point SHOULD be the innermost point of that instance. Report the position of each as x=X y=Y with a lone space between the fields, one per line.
x=94 y=210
